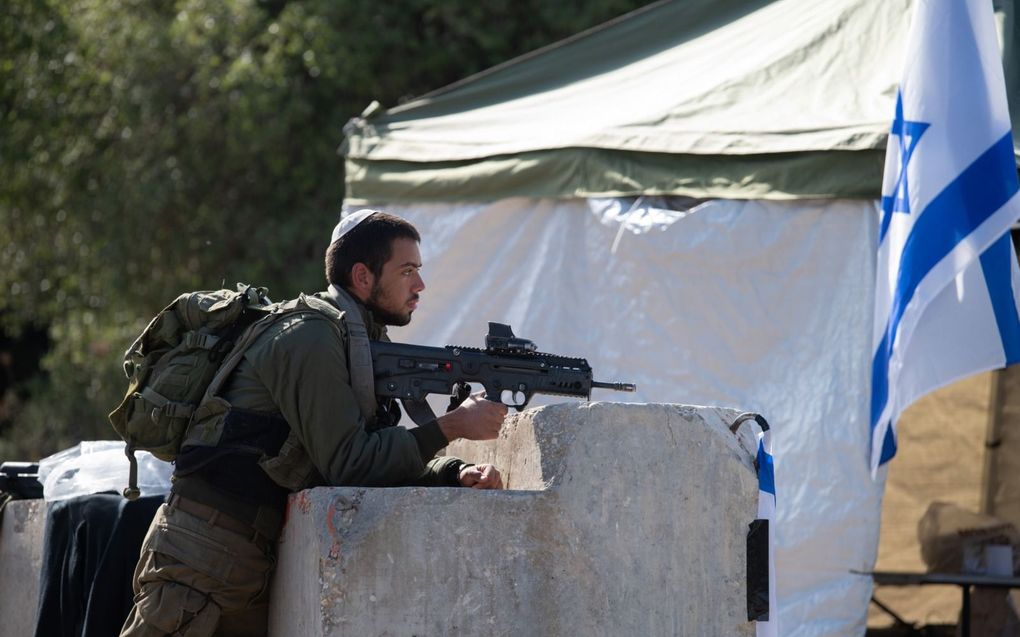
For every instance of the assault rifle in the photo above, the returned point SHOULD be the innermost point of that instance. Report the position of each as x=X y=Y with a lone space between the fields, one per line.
x=507 y=364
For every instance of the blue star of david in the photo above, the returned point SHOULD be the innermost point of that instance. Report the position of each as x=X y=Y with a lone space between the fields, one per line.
x=907 y=133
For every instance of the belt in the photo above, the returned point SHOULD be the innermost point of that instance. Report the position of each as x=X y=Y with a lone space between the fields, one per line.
x=217 y=518
x=267 y=519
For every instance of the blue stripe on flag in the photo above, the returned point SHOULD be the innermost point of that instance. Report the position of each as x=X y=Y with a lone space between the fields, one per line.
x=996 y=262
x=980 y=190
x=888 y=446
x=766 y=472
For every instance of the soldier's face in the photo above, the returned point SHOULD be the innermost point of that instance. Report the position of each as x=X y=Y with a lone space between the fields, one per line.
x=394 y=295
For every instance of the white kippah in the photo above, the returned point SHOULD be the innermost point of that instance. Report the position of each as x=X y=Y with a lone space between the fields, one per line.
x=349 y=222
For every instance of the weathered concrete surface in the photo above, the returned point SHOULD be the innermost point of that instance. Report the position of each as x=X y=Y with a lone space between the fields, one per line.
x=620 y=519
x=21 y=543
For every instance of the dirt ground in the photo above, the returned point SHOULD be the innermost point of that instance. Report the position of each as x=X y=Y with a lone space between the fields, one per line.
x=940 y=457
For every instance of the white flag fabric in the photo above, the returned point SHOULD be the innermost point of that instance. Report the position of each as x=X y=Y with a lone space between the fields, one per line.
x=947 y=277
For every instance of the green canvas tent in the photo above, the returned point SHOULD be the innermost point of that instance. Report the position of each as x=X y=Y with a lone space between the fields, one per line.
x=703 y=98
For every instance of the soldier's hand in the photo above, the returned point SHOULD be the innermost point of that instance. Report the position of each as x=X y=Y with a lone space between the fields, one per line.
x=482 y=476
x=475 y=419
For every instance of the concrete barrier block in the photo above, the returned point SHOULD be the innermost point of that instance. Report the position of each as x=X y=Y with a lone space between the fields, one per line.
x=21 y=544
x=618 y=519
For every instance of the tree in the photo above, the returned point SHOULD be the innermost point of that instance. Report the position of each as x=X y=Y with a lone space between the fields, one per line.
x=152 y=148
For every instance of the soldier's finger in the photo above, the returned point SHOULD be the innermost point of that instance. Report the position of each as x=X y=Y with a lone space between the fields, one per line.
x=469 y=477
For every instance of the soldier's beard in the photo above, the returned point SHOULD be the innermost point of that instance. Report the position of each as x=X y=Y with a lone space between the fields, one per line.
x=375 y=303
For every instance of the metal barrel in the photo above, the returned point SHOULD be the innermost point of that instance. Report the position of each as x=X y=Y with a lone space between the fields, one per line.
x=614 y=386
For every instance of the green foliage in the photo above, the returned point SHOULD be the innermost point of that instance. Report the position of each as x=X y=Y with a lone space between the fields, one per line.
x=150 y=148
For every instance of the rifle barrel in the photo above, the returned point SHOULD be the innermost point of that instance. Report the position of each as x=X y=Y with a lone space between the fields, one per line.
x=614 y=386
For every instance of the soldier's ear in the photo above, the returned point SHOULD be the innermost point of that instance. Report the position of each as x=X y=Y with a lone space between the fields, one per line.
x=362 y=280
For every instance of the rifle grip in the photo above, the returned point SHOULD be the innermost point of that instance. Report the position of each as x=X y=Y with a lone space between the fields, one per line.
x=461 y=392
x=495 y=396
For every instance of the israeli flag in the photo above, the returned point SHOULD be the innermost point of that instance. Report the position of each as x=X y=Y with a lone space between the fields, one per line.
x=947 y=278
x=767 y=511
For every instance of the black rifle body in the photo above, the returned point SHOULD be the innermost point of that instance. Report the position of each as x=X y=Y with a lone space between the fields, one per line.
x=507 y=364
x=411 y=372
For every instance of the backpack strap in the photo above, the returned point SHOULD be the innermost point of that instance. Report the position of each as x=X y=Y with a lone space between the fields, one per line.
x=163 y=404
x=359 y=354
x=247 y=337
x=199 y=340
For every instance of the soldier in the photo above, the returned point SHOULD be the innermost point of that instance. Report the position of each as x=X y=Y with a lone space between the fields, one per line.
x=296 y=412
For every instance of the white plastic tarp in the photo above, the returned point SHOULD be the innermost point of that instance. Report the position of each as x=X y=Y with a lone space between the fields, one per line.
x=762 y=306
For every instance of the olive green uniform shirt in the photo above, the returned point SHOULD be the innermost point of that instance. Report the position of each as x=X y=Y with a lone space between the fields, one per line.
x=298 y=369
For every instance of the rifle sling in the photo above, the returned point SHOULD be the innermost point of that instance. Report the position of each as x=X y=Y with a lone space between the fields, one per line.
x=359 y=353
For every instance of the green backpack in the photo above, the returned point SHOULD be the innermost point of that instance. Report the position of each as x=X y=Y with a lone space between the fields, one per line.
x=171 y=364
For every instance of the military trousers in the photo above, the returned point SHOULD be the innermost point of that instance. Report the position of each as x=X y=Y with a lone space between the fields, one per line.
x=200 y=574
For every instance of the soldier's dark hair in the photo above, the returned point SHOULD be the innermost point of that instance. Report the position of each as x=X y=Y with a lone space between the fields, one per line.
x=370 y=242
